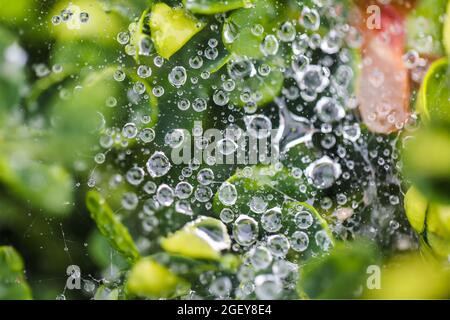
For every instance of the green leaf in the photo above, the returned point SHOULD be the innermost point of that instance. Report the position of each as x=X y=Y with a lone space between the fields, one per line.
x=263 y=89
x=214 y=6
x=101 y=26
x=431 y=221
x=46 y=186
x=81 y=115
x=338 y=275
x=150 y=279
x=440 y=246
x=416 y=208
x=102 y=254
x=434 y=97
x=12 y=75
x=74 y=55
x=206 y=237
x=238 y=32
x=424 y=27
x=110 y=226
x=427 y=162
x=171 y=28
x=16 y=12
x=13 y=285
x=127 y=9
x=438 y=221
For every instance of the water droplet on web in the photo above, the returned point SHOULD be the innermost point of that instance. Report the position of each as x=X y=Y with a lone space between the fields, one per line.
x=260 y=257
x=123 y=37
x=258 y=126
x=220 y=97
x=174 y=138
x=205 y=176
x=178 y=76
x=135 y=176
x=257 y=204
x=129 y=201
x=245 y=230
x=329 y=110
x=149 y=187
x=269 y=46
x=323 y=240
x=158 y=165
x=271 y=220
x=287 y=32
x=144 y=71
x=129 y=130
x=196 y=62
x=183 y=190
x=165 y=195
x=323 y=172
x=147 y=135
x=303 y=219
x=119 y=75
x=203 y=193
x=227 y=194
x=227 y=215
x=278 y=245
x=183 y=104
x=267 y=287
x=310 y=19
x=299 y=241
x=226 y=146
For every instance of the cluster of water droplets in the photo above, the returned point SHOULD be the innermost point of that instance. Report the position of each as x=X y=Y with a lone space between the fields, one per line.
x=315 y=110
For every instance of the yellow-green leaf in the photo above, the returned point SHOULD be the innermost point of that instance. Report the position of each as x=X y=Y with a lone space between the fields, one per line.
x=438 y=220
x=434 y=97
x=411 y=277
x=152 y=280
x=214 y=6
x=416 y=208
x=424 y=27
x=171 y=28
x=204 y=238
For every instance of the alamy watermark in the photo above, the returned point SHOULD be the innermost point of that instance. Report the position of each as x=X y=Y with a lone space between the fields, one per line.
x=373 y=21
x=373 y=281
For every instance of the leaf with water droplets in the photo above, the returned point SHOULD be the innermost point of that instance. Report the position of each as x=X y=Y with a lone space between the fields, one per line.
x=207 y=237
x=244 y=29
x=424 y=27
x=110 y=226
